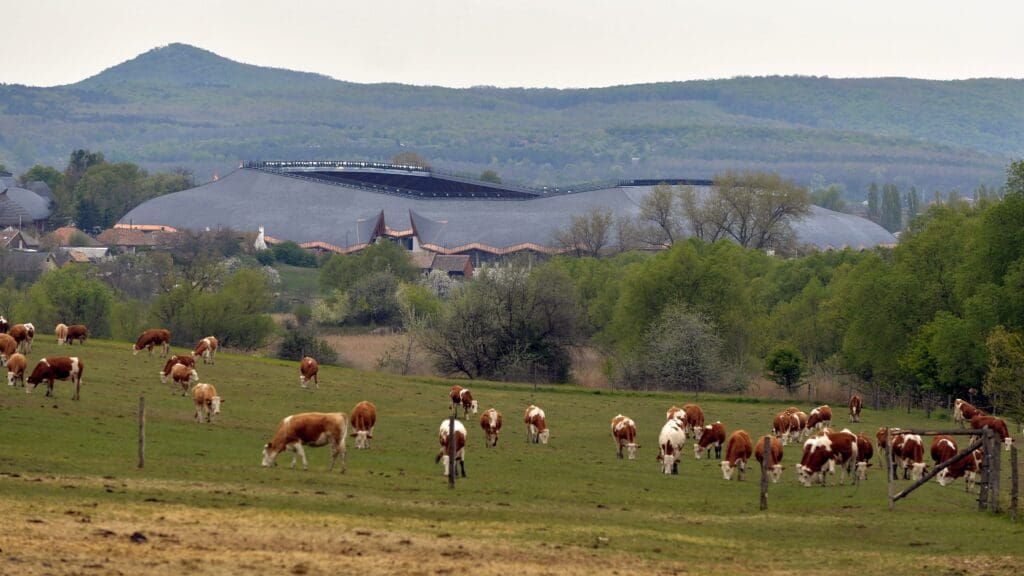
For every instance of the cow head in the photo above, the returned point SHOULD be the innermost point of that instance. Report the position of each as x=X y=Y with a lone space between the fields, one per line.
x=473 y=408
x=1008 y=441
x=163 y=377
x=944 y=478
x=544 y=435
x=631 y=450
x=269 y=456
x=193 y=376
x=667 y=462
x=727 y=470
x=775 y=473
x=861 y=470
x=215 y=403
x=362 y=439
x=917 y=470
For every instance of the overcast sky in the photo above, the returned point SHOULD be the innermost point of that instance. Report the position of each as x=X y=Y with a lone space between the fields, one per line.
x=567 y=43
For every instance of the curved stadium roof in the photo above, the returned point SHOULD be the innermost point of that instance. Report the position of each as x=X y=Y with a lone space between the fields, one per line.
x=346 y=204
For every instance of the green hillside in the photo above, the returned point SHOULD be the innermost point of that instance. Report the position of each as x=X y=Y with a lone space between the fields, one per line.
x=182 y=106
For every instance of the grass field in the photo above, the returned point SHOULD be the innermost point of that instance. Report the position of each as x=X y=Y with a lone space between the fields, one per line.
x=72 y=494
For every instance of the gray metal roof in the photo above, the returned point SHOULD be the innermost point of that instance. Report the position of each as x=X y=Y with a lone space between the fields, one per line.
x=304 y=210
x=36 y=206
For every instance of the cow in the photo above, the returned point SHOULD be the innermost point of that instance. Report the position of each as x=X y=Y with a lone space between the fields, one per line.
x=713 y=436
x=364 y=417
x=183 y=376
x=16 y=365
x=8 y=347
x=183 y=359
x=909 y=452
x=460 y=445
x=998 y=425
x=4 y=325
x=77 y=332
x=969 y=467
x=670 y=445
x=880 y=437
x=57 y=368
x=20 y=333
x=737 y=452
x=786 y=425
x=822 y=454
x=820 y=418
x=462 y=396
x=676 y=413
x=694 y=420
x=61 y=331
x=308 y=369
x=308 y=429
x=963 y=411
x=855 y=407
x=802 y=430
x=536 y=425
x=774 y=456
x=207 y=402
x=490 y=421
x=624 y=433
x=153 y=337
x=864 y=453
x=206 y=348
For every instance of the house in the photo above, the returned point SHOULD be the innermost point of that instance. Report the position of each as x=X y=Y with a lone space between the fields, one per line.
x=129 y=239
x=25 y=266
x=13 y=239
x=67 y=235
x=86 y=254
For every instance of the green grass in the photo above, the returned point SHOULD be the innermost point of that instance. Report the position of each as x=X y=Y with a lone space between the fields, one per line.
x=299 y=282
x=572 y=493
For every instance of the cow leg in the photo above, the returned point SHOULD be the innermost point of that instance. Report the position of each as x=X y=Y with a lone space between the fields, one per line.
x=675 y=467
x=301 y=453
x=462 y=467
x=316 y=380
x=78 y=387
x=338 y=450
x=743 y=470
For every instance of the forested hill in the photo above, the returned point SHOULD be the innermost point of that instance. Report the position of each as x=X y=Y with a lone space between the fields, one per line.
x=182 y=106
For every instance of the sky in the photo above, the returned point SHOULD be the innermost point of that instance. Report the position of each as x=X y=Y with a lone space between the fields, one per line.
x=529 y=43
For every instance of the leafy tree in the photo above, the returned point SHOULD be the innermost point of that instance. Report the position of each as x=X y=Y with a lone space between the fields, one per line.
x=1004 y=383
x=785 y=366
x=39 y=172
x=913 y=204
x=1015 y=177
x=892 y=209
x=755 y=209
x=10 y=296
x=67 y=295
x=341 y=271
x=79 y=162
x=290 y=253
x=490 y=176
x=588 y=234
x=680 y=351
x=373 y=299
x=830 y=198
x=874 y=203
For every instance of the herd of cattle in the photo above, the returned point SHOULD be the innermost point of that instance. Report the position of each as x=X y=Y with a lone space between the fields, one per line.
x=824 y=449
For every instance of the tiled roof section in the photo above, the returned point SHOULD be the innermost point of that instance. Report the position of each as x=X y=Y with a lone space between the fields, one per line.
x=422 y=260
x=133 y=237
x=453 y=263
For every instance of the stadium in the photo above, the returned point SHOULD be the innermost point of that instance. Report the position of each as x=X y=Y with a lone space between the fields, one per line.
x=343 y=206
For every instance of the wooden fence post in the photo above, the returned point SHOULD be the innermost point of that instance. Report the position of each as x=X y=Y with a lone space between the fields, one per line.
x=1014 y=482
x=995 y=474
x=451 y=448
x=764 y=471
x=142 y=431
x=888 y=467
x=986 y=465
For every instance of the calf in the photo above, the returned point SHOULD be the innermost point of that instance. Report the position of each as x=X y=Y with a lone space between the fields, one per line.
x=713 y=436
x=207 y=402
x=183 y=376
x=864 y=453
x=462 y=396
x=16 y=365
x=207 y=348
x=624 y=433
x=20 y=334
x=308 y=429
x=820 y=418
x=998 y=425
x=822 y=453
x=737 y=453
x=364 y=417
x=184 y=360
x=909 y=452
x=694 y=420
x=76 y=332
x=855 y=407
x=153 y=337
x=460 y=445
x=8 y=347
x=308 y=369
x=61 y=331
x=670 y=445
x=774 y=456
x=536 y=425
x=57 y=368
x=964 y=411
x=490 y=421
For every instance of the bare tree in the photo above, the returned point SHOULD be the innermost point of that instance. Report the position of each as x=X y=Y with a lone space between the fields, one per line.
x=660 y=217
x=587 y=234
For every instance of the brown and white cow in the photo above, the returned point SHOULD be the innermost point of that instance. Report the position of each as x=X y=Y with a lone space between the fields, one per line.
x=908 y=450
x=536 y=425
x=670 y=445
x=855 y=407
x=880 y=437
x=774 y=456
x=61 y=331
x=308 y=369
x=462 y=397
x=968 y=467
x=998 y=425
x=20 y=333
x=308 y=429
x=183 y=359
x=624 y=433
x=694 y=420
x=153 y=337
x=865 y=451
x=737 y=452
x=57 y=368
x=786 y=425
x=16 y=365
x=76 y=332
x=207 y=402
x=713 y=436
x=963 y=411
x=8 y=348
x=206 y=348
x=460 y=445
x=364 y=418
x=822 y=454
x=676 y=413
x=820 y=418
x=802 y=430
x=490 y=421
x=183 y=376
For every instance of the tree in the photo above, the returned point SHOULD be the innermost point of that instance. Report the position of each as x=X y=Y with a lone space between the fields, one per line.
x=830 y=198
x=343 y=270
x=913 y=205
x=755 y=209
x=48 y=174
x=660 y=217
x=892 y=210
x=67 y=295
x=1015 y=177
x=78 y=164
x=587 y=234
x=490 y=176
x=410 y=159
x=785 y=366
x=1004 y=383
x=874 y=204
x=373 y=299
x=290 y=253
x=680 y=351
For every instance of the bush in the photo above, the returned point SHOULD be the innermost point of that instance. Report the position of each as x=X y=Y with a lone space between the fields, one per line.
x=373 y=299
x=299 y=342
x=66 y=295
x=785 y=366
x=265 y=257
x=303 y=313
x=679 y=351
x=294 y=255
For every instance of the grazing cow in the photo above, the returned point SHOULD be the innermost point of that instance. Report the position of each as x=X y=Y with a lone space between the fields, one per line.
x=822 y=453
x=462 y=396
x=963 y=411
x=8 y=347
x=20 y=334
x=364 y=417
x=880 y=437
x=16 y=365
x=207 y=402
x=855 y=407
x=676 y=413
x=182 y=359
x=820 y=418
x=4 y=325
x=206 y=348
x=308 y=369
x=77 y=332
x=998 y=425
x=183 y=376
x=670 y=445
x=490 y=421
x=943 y=448
x=153 y=337
x=786 y=426
x=308 y=429
x=624 y=432
x=774 y=456
x=968 y=467
x=57 y=368
x=536 y=425
x=802 y=430
x=694 y=420
x=713 y=436
x=460 y=445
x=864 y=453
x=737 y=452
x=909 y=452
x=62 y=333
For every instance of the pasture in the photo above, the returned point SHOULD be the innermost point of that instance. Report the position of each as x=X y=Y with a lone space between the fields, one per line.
x=72 y=495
